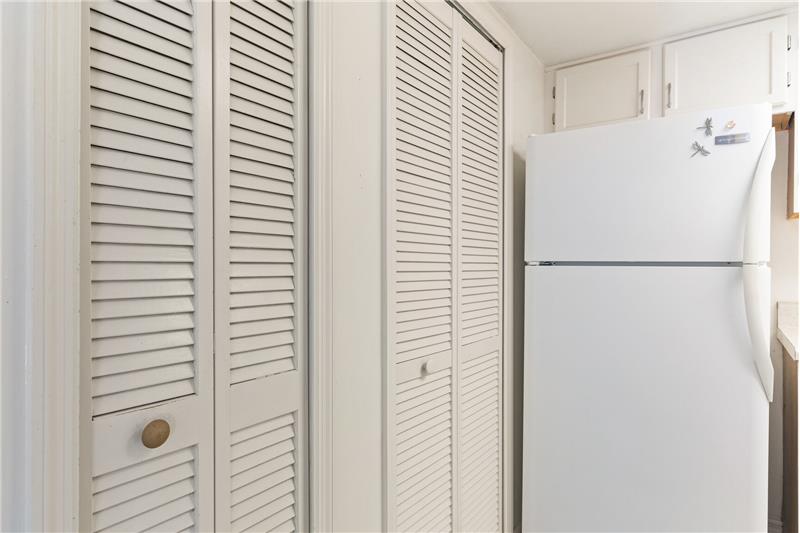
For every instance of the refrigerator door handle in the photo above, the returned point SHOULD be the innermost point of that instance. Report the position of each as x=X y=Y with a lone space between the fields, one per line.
x=756 y=229
x=756 y=304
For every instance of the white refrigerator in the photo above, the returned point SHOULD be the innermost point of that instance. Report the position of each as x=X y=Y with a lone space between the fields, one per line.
x=647 y=369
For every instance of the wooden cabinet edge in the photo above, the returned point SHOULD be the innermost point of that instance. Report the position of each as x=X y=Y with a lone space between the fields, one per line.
x=790 y=488
x=791 y=202
x=786 y=122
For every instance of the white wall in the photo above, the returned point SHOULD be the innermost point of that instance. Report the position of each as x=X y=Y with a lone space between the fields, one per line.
x=357 y=227
x=783 y=261
x=527 y=106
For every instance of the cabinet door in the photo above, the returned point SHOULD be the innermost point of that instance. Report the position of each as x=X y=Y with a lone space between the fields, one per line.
x=147 y=308
x=599 y=92
x=741 y=65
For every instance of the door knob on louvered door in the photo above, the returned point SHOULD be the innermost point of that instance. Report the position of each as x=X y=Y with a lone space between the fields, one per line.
x=429 y=367
x=155 y=433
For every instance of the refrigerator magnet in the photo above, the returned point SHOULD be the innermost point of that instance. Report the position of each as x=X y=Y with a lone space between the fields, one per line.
x=699 y=149
x=732 y=138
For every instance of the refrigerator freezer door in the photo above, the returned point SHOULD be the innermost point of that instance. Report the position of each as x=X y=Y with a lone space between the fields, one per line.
x=643 y=191
x=643 y=408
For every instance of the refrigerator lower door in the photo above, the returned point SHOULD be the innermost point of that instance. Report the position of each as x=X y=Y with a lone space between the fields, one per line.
x=643 y=408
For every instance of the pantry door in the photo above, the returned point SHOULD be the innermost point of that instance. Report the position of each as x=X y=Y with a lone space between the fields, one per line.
x=479 y=191
x=260 y=270
x=443 y=420
x=421 y=270
x=147 y=270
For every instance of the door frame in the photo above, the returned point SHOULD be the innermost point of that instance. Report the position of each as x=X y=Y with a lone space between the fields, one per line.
x=41 y=72
x=320 y=255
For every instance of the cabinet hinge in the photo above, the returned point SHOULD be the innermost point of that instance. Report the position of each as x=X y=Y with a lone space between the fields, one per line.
x=553 y=119
x=788 y=42
x=788 y=79
x=554 y=92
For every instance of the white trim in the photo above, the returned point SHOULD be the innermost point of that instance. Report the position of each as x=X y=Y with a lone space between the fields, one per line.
x=320 y=274
x=85 y=383
x=40 y=292
x=388 y=449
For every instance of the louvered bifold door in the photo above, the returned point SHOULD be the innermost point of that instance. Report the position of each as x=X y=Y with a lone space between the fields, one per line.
x=147 y=266
x=260 y=246
x=421 y=270
x=480 y=286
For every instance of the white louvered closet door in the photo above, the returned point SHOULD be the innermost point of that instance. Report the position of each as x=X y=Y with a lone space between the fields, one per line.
x=444 y=220
x=480 y=274
x=260 y=242
x=147 y=266
x=421 y=274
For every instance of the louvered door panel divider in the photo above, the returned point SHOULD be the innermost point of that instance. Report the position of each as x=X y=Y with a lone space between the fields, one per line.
x=445 y=274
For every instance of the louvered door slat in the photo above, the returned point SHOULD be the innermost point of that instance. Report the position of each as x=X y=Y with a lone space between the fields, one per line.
x=144 y=21
x=260 y=265
x=137 y=55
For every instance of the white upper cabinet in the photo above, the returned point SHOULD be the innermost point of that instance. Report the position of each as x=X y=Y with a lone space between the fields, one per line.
x=741 y=65
x=599 y=92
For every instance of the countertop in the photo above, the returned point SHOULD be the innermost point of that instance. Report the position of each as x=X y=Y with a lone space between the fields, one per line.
x=787 y=327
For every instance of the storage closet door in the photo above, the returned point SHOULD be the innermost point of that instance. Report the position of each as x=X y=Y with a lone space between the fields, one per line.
x=147 y=267
x=421 y=271
x=480 y=285
x=444 y=320
x=260 y=247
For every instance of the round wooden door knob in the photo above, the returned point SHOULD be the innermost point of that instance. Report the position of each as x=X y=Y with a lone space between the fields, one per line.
x=155 y=433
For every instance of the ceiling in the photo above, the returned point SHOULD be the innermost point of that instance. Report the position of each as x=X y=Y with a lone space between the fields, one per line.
x=558 y=32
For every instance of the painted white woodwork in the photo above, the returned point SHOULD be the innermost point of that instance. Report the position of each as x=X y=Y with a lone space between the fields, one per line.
x=741 y=65
x=147 y=328
x=479 y=194
x=604 y=91
x=444 y=430
x=421 y=277
x=260 y=270
x=40 y=72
